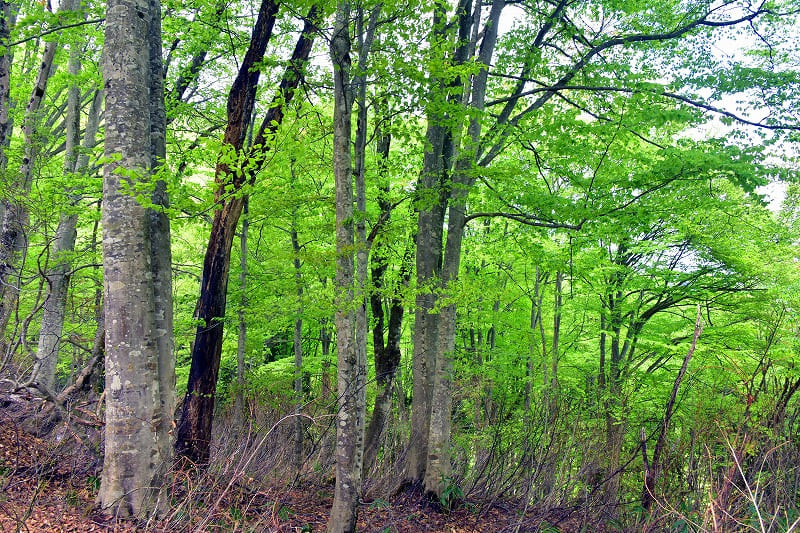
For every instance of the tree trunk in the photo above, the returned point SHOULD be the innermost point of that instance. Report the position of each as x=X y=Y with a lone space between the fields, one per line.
x=136 y=424
x=297 y=343
x=58 y=275
x=194 y=429
x=432 y=197
x=437 y=469
x=241 y=347
x=653 y=470
x=351 y=371
x=8 y=15
x=13 y=237
x=160 y=244
x=387 y=354
x=557 y=305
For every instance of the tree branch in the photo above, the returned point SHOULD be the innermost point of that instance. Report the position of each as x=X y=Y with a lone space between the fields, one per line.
x=56 y=29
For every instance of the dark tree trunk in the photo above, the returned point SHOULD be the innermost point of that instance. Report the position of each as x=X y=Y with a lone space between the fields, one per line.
x=194 y=428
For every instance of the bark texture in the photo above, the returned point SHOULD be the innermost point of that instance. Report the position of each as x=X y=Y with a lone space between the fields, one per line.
x=136 y=422
x=194 y=429
x=7 y=19
x=351 y=370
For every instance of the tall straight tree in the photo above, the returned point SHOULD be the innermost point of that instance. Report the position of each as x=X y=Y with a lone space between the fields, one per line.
x=351 y=261
x=351 y=369
x=438 y=460
x=139 y=386
x=194 y=428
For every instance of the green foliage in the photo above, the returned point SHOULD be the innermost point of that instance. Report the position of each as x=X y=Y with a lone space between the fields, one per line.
x=622 y=182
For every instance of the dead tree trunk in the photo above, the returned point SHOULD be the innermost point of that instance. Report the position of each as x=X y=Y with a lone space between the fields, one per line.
x=194 y=429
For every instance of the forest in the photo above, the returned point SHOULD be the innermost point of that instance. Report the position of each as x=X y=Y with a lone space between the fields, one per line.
x=400 y=265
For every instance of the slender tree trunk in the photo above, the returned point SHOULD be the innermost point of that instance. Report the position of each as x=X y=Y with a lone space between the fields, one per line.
x=58 y=275
x=297 y=343
x=653 y=470
x=7 y=20
x=387 y=357
x=136 y=423
x=241 y=348
x=351 y=370
x=438 y=460
x=387 y=354
x=194 y=428
x=432 y=197
x=430 y=206
x=13 y=236
x=557 y=305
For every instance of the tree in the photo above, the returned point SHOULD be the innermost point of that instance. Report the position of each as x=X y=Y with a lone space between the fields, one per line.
x=351 y=324
x=237 y=168
x=138 y=300
x=581 y=68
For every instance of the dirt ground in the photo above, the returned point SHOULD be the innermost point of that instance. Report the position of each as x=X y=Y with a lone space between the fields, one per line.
x=50 y=486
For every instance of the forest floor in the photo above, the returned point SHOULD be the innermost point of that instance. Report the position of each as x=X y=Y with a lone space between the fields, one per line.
x=46 y=486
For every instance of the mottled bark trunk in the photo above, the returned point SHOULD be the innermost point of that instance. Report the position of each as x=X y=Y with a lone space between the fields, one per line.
x=160 y=244
x=437 y=468
x=351 y=370
x=44 y=370
x=431 y=202
x=7 y=20
x=136 y=423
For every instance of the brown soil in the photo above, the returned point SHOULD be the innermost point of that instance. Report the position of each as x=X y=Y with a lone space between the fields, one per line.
x=49 y=486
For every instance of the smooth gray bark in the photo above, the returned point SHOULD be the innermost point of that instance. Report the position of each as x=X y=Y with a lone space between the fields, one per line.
x=437 y=470
x=136 y=405
x=351 y=371
x=431 y=202
x=160 y=242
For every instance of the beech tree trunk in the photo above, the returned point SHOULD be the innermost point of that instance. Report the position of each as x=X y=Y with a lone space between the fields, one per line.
x=160 y=243
x=135 y=295
x=431 y=203
x=7 y=20
x=351 y=371
x=437 y=469
x=58 y=276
